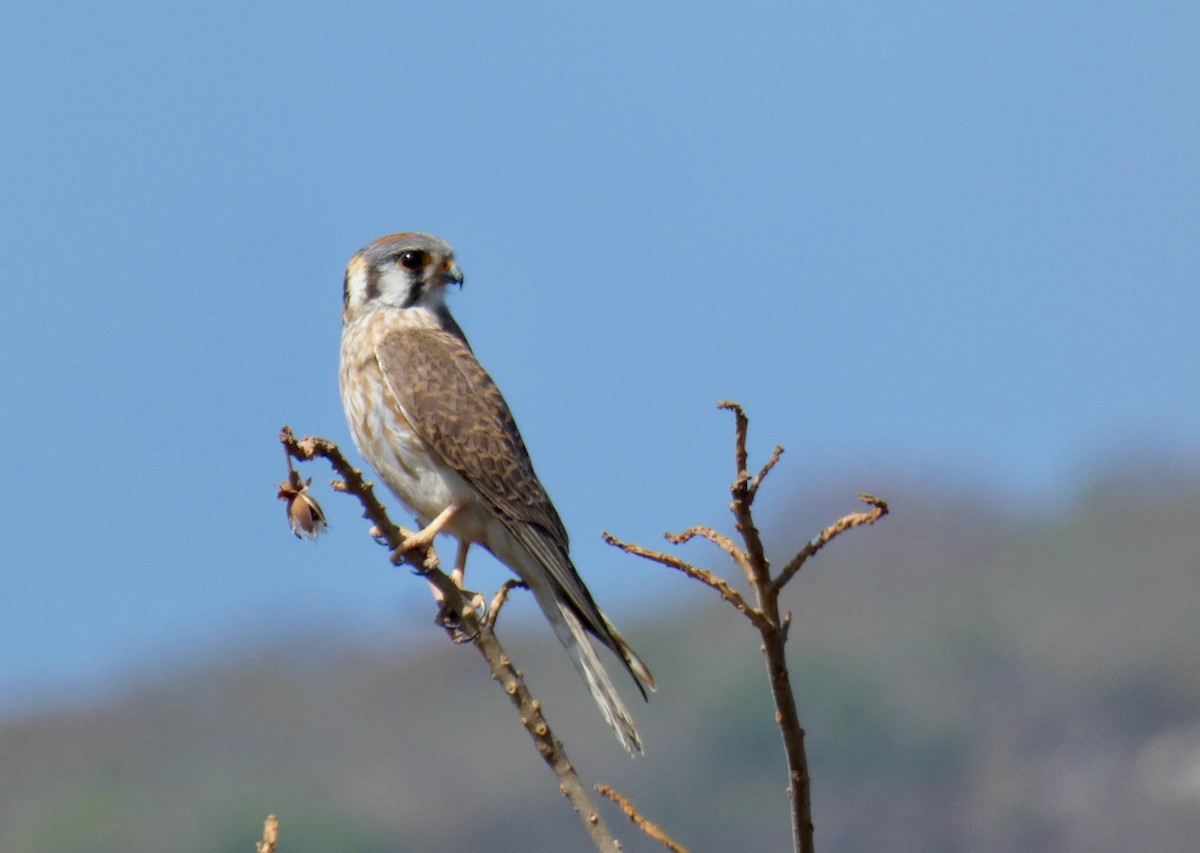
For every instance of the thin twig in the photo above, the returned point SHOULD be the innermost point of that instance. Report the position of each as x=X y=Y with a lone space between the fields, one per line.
x=727 y=592
x=646 y=826
x=723 y=542
x=270 y=835
x=500 y=598
x=481 y=632
x=766 y=469
x=422 y=560
x=742 y=426
x=855 y=519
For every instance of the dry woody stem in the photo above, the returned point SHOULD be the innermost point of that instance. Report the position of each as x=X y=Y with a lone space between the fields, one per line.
x=648 y=827
x=469 y=626
x=750 y=558
x=270 y=835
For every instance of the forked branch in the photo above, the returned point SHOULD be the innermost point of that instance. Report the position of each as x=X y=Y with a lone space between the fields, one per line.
x=706 y=577
x=772 y=626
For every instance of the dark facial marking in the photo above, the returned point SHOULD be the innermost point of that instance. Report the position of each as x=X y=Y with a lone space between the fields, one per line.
x=372 y=284
x=415 y=261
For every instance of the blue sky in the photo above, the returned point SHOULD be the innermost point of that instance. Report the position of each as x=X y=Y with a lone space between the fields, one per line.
x=935 y=238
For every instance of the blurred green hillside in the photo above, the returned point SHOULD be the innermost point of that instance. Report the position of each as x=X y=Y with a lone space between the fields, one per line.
x=972 y=678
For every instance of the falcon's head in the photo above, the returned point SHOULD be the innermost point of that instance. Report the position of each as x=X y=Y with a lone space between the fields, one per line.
x=399 y=271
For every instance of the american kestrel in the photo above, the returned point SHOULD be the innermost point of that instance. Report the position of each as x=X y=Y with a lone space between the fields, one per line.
x=432 y=423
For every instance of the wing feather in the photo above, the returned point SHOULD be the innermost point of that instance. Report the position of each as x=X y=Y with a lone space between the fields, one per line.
x=456 y=407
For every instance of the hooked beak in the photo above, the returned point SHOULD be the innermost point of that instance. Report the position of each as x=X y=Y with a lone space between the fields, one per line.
x=452 y=274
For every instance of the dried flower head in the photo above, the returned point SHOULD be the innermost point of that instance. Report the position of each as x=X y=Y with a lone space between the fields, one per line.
x=305 y=516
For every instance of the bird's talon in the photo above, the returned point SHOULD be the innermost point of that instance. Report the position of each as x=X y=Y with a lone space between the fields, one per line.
x=478 y=603
x=450 y=619
x=452 y=623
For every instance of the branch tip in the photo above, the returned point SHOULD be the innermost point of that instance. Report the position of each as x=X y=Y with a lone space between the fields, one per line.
x=879 y=509
x=649 y=828
x=766 y=469
x=270 y=834
x=741 y=426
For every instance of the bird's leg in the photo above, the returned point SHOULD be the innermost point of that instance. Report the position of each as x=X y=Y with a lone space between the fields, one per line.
x=423 y=538
x=478 y=602
x=445 y=617
x=460 y=564
x=456 y=577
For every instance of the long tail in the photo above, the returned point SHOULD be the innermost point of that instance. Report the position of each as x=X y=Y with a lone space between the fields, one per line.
x=542 y=562
x=633 y=662
x=574 y=637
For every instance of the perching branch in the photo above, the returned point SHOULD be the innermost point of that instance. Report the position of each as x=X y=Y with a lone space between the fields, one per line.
x=469 y=625
x=751 y=558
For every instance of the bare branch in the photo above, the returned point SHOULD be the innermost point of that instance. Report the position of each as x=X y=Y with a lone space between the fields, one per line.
x=772 y=626
x=549 y=747
x=856 y=519
x=500 y=598
x=753 y=490
x=723 y=542
x=424 y=562
x=705 y=577
x=742 y=427
x=643 y=824
x=788 y=718
x=270 y=835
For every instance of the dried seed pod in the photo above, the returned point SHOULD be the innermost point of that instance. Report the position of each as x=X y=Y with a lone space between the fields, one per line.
x=305 y=516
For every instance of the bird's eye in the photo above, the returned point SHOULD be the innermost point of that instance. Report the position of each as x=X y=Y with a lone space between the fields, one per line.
x=411 y=260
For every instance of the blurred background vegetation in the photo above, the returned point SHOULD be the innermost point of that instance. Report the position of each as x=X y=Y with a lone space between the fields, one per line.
x=972 y=676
